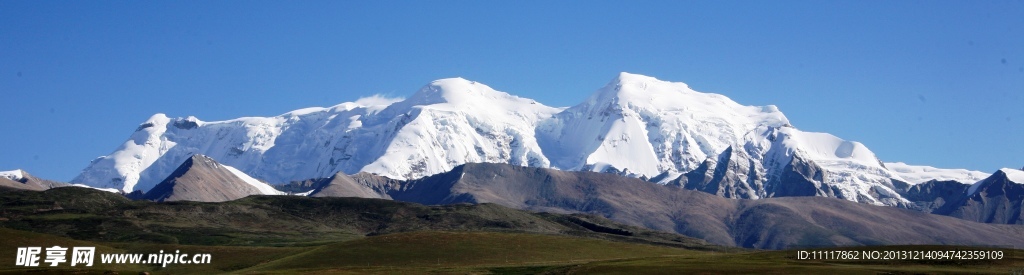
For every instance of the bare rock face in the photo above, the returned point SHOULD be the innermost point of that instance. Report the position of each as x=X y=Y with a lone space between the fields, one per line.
x=200 y=178
x=799 y=178
x=728 y=176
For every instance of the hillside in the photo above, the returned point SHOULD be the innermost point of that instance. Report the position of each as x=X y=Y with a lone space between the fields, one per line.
x=86 y=214
x=773 y=223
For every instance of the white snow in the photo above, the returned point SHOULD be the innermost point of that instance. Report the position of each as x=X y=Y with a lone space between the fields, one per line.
x=824 y=147
x=670 y=176
x=1014 y=175
x=111 y=190
x=264 y=188
x=377 y=100
x=304 y=194
x=14 y=175
x=915 y=174
x=305 y=111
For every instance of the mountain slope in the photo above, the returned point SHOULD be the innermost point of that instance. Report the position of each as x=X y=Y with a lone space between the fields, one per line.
x=200 y=178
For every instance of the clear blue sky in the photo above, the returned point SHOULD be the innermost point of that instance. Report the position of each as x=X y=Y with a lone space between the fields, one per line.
x=938 y=83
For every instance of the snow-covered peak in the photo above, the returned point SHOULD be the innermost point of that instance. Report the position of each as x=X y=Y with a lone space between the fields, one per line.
x=915 y=174
x=187 y=123
x=641 y=126
x=1014 y=175
x=158 y=119
x=452 y=90
x=454 y=121
x=458 y=94
x=155 y=123
x=648 y=94
x=626 y=88
x=626 y=77
x=15 y=175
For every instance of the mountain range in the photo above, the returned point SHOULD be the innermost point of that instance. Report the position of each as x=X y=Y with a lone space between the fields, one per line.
x=635 y=126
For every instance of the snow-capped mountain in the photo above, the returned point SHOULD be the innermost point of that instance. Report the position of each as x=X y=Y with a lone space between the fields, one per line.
x=635 y=125
x=446 y=123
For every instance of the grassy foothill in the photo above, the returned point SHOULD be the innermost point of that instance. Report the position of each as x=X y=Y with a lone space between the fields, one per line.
x=293 y=235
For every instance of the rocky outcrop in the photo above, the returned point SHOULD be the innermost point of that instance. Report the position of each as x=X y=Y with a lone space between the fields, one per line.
x=799 y=178
x=933 y=195
x=727 y=176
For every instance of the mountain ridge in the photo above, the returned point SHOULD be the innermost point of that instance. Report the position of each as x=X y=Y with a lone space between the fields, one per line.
x=772 y=223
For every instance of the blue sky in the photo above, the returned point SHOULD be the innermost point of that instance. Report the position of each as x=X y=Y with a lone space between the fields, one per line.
x=938 y=83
